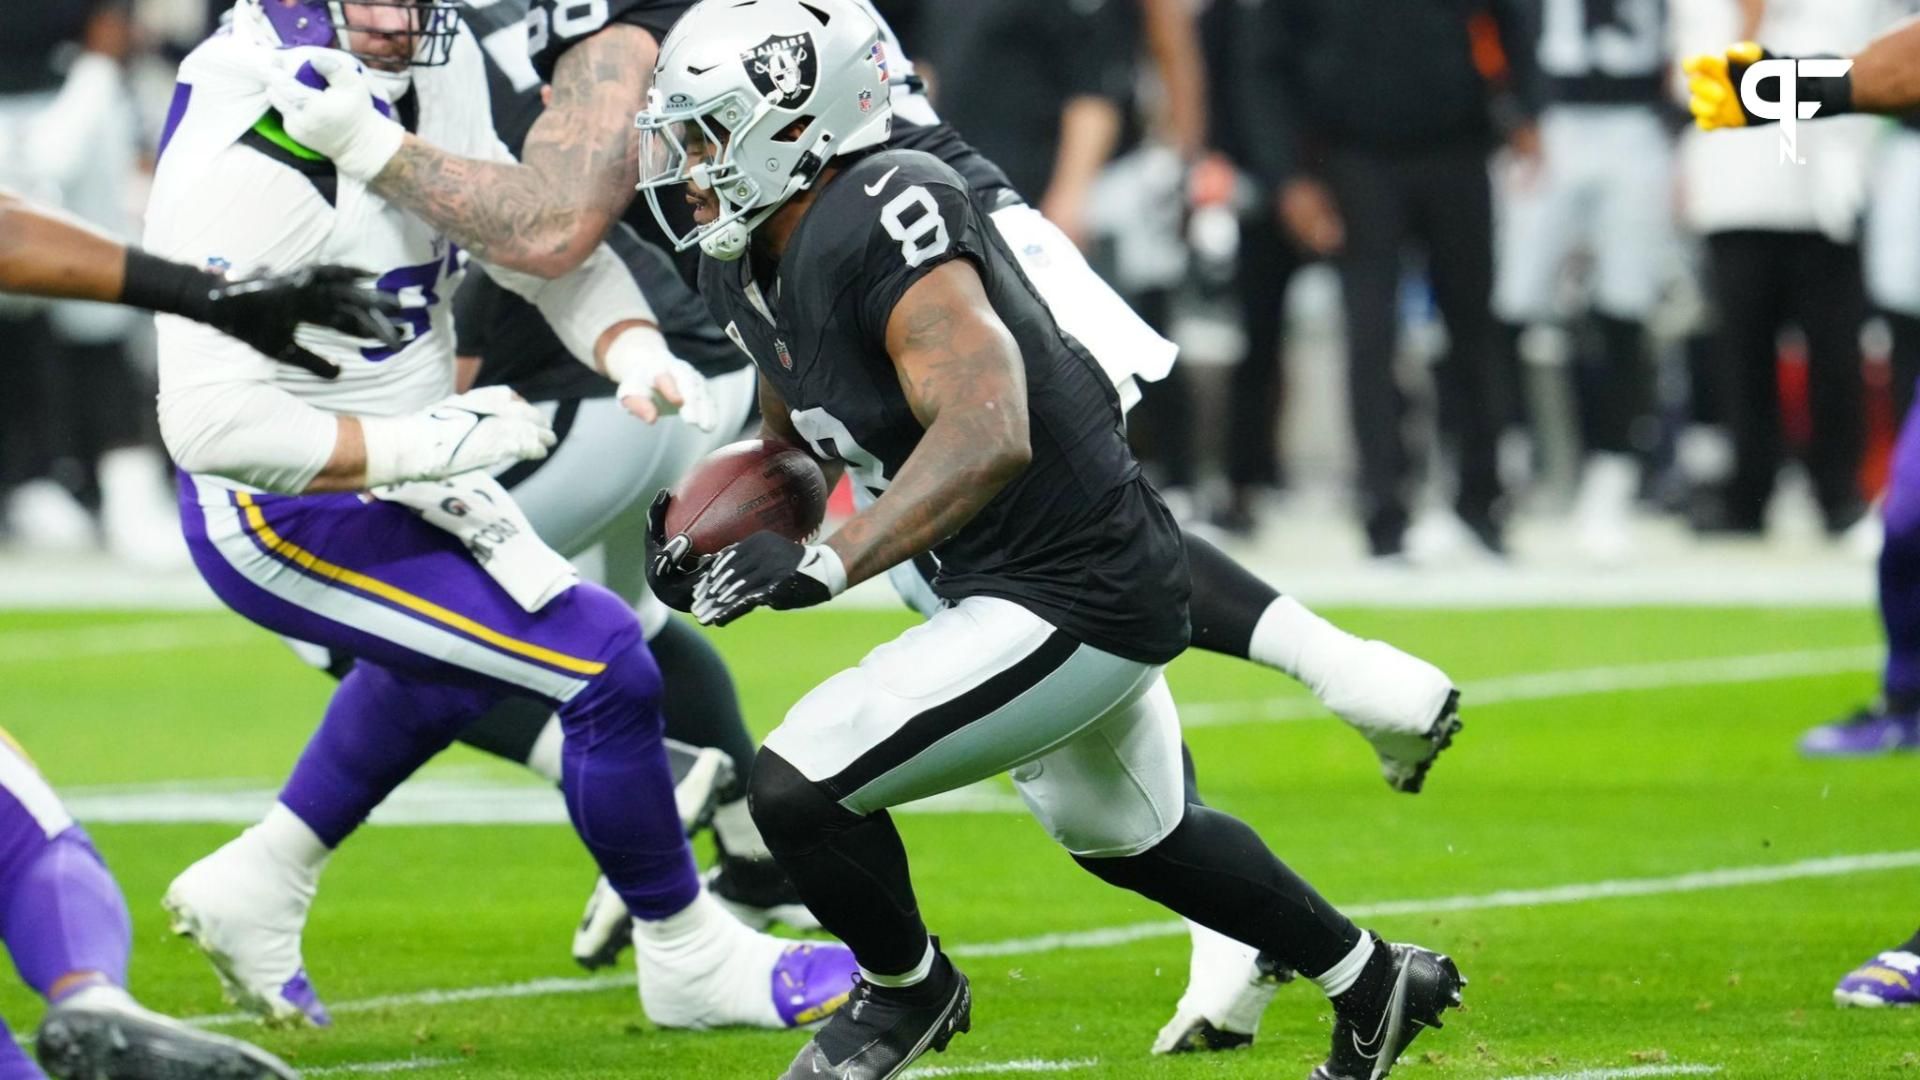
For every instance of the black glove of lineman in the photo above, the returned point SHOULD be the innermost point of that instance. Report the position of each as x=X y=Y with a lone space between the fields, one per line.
x=263 y=312
x=767 y=568
x=671 y=574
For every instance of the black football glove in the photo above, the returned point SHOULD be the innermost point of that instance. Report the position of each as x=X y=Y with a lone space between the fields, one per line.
x=264 y=311
x=671 y=571
x=767 y=569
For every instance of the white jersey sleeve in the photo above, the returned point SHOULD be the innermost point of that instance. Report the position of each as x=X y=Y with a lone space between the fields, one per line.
x=220 y=410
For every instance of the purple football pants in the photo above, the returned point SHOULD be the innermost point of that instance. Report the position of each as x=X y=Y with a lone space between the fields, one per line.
x=60 y=912
x=438 y=643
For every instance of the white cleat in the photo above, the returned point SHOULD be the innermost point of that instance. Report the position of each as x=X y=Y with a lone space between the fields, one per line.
x=101 y=1033
x=1405 y=707
x=1229 y=986
x=703 y=969
x=246 y=912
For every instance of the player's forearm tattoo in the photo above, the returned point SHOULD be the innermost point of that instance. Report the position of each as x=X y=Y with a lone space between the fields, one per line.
x=547 y=214
x=964 y=379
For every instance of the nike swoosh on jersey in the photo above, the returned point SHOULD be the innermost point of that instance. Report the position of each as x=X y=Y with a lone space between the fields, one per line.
x=880 y=185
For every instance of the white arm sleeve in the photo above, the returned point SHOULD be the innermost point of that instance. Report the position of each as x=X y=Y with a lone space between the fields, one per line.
x=220 y=411
x=584 y=303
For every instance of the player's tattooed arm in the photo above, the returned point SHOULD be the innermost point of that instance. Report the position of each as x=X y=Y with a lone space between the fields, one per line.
x=576 y=175
x=963 y=376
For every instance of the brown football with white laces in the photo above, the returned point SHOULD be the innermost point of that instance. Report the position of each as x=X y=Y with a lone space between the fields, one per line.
x=743 y=488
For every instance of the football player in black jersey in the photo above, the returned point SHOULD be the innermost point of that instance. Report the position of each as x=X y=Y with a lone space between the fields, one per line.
x=898 y=338
x=535 y=216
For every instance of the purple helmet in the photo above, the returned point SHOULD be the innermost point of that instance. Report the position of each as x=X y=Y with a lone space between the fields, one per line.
x=430 y=26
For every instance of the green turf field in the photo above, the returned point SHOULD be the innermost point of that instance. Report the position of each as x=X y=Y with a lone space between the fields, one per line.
x=1640 y=746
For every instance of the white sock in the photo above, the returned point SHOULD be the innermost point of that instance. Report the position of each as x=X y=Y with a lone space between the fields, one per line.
x=544 y=758
x=701 y=967
x=290 y=842
x=1340 y=978
x=733 y=824
x=702 y=920
x=912 y=978
x=1300 y=643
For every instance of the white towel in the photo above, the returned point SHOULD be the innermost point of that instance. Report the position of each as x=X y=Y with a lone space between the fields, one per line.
x=474 y=507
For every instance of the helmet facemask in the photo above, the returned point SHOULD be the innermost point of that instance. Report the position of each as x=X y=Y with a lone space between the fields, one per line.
x=751 y=100
x=696 y=144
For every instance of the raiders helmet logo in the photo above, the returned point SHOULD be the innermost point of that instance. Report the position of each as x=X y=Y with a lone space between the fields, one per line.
x=784 y=69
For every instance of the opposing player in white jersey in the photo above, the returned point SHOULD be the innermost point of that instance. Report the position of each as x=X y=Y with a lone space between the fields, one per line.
x=434 y=582
x=1603 y=187
x=577 y=177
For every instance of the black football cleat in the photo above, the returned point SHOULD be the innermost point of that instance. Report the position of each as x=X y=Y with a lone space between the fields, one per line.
x=1370 y=1034
x=880 y=1031
x=102 y=1034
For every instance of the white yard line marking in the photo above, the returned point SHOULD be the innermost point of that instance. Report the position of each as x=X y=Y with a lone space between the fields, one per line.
x=1628 y=1073
x=425 y=800
x=167 y=635
x=1560 y=894
x=995 y=1068
x=1836 y=866
x=366 y=1067
x=1546 y=685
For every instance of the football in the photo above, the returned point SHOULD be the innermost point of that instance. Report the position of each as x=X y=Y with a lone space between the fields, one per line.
x=745 y=487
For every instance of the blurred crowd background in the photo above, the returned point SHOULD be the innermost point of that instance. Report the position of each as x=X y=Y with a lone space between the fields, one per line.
x=1452 y=279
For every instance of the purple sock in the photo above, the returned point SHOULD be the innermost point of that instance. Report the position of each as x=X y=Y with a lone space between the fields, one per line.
x=63 y=913
x=379 y=728
x=14 y=1063
x=1900 y=570
x=619 y=787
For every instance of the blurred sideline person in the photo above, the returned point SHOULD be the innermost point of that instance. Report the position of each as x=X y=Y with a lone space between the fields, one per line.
x=1378 y=128
x=68 y=132
x=436 y=584
x=61 y=914
x=1268 y=258
x=989 y=441
x=532 y=213
x=1885 y=79
x=1604 y=187
x=1783 y=247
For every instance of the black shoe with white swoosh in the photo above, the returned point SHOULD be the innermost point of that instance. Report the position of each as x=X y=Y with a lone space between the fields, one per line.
x=1370 y=1035
x=880 y=1031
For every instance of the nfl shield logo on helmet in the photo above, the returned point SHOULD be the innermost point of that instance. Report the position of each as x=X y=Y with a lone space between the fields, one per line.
x=780 y=350
x=866 y=101
x=784 y=68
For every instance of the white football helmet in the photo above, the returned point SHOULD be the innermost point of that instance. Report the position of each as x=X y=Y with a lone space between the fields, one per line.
x=752 y=99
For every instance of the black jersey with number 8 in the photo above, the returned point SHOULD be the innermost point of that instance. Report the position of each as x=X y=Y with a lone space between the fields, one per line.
x=1079 y=538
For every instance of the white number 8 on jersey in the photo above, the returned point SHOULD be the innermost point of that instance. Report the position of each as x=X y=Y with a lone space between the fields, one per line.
x=927 y=237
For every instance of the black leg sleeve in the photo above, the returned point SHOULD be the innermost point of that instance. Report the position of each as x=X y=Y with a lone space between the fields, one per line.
x=1215 y=870
x=1227 y=599
x=850 y=870
x=702 y=706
